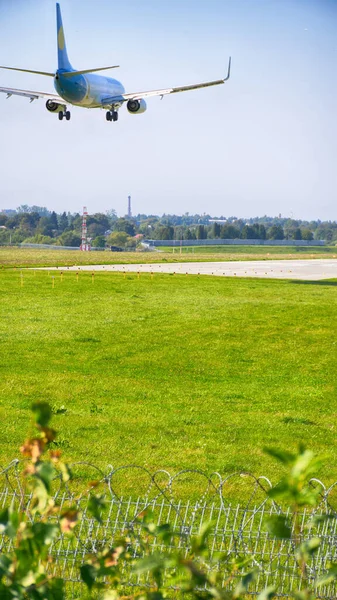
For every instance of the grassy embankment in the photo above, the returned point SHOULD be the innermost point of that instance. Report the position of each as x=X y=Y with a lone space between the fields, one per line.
x=171 y=371
x=30 y=257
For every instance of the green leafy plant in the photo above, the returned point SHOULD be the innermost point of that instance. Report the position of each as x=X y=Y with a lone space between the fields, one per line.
x=155 y=554
x=297 y=492
x=24 y=570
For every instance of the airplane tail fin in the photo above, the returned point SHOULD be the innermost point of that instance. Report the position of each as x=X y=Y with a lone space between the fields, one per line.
x=63 y=60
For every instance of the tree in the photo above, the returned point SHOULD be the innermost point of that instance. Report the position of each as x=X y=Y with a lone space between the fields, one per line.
x=178 y=233
x=4 y=237
x=324 y=233
x=24 y=208
x=124 y=225
x=297 y=234
x=99 y=241
x=248 y=233
x=45 y=226
x=13 y=221
x=53 y=221
x=76 y=221
x=276 y=233
x=95 y=229
x=131 y=242
x=63 y=222
x=215 y=231
x=69 y=238
x=112 y=215
x=229 y=232
x=189 y=235
x=101 y=219
x=39 y=239
x=201 y=232
x=41 y=210
x=97 y=224
x=118 y=238
x=163 y=232
x=307 y=234
x=261 y=230
x=25 y=224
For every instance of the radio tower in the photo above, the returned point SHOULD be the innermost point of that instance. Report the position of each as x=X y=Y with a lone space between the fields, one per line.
x=85 y=244
x=129 y=207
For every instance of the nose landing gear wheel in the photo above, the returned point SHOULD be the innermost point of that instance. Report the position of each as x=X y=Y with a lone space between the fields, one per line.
x=67 y=115
x=61 y=116
x=115 y=115
x=108 y=116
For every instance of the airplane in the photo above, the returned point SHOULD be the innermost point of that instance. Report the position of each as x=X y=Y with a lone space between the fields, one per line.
x=82 y=88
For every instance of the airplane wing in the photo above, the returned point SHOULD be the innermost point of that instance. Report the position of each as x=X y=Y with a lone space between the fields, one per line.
x=164 y=92
x=31 y=94
x=185 y=88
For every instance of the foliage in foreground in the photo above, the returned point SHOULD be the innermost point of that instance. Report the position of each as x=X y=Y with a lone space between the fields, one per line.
x=25 y=570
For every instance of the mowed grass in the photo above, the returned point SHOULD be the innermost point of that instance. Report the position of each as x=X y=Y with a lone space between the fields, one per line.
x=170 y=372
x=29 y=257
x=254 y=252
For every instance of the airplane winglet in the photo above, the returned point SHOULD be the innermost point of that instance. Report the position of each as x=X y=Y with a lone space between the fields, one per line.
x=229 y=69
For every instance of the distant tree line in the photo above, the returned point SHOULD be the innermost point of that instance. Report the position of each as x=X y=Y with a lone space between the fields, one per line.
x=34 y=224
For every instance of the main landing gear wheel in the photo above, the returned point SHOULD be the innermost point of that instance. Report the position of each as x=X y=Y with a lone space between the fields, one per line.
x=64 y=115
x=112 y=116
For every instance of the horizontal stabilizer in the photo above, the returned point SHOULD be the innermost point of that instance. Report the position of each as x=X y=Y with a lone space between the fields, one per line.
x=74 y=73
x=29 y=71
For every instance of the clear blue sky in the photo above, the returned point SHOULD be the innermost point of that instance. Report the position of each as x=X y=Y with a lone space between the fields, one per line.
x=264 y=143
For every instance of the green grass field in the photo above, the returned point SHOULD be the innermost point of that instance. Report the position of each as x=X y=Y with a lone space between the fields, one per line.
x=255 y=252
x=170 y=372
x=30 y=257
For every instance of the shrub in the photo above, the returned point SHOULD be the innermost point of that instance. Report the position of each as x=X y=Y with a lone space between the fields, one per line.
x=25 y=569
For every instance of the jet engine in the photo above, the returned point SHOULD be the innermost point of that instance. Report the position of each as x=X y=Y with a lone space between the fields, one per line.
x=54 y=106
x=136 y=106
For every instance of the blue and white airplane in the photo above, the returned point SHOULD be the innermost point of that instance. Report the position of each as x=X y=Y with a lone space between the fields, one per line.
x=82 y=88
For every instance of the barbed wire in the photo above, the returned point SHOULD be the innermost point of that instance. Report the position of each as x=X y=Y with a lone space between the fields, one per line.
x=238 y=507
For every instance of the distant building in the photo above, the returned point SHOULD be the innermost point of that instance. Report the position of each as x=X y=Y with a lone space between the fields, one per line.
x=8 y=211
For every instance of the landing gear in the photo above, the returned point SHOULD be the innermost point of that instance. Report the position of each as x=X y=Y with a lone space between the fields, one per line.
x=64 y=114
x=112 y=116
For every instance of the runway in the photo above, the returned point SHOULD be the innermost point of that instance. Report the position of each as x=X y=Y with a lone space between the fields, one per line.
x=305 y=270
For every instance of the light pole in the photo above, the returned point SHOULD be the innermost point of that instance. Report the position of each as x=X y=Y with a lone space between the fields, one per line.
x=10 y=237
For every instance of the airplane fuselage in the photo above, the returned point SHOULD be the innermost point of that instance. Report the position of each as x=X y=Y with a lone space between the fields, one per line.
x=89 y=91
x=86 y=89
